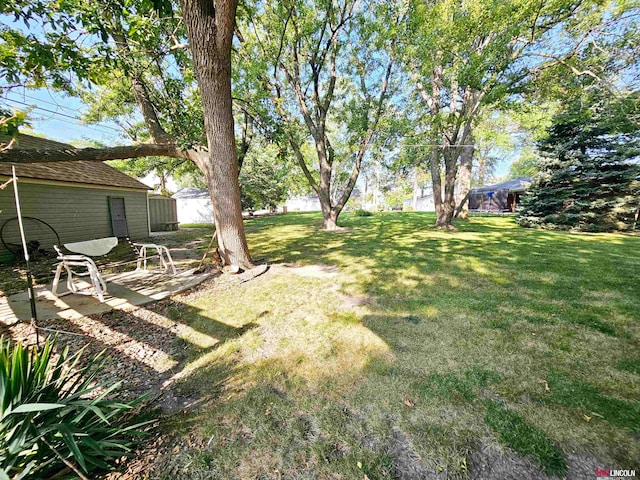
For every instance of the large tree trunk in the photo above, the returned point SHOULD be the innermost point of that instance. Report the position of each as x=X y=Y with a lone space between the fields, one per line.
x=464 y=180
x=448 y=206
x=209 y=25
x=329 y=216
x=330 y=220
x=436 y=182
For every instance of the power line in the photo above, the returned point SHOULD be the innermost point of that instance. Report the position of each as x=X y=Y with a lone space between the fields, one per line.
x=58 y=113
x=440 y=145
x=55 y=104
x=104 y=132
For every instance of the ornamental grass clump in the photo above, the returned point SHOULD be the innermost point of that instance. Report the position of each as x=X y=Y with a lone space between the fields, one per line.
x=54 y=417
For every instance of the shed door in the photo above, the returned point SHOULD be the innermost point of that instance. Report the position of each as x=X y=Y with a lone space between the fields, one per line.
x=118 y=217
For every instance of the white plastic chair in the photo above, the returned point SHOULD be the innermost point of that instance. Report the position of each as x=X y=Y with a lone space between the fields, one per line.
x=96 y=248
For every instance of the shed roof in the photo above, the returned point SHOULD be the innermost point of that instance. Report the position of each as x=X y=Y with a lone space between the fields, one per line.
x=75 y=171
x=190 y=193
x=517 y=185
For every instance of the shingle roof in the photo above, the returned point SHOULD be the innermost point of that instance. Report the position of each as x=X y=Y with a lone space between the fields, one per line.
x=191 y=193
x=517 y=185
x=78 y=171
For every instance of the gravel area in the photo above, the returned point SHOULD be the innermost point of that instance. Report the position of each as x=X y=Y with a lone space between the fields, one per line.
x=144 y=347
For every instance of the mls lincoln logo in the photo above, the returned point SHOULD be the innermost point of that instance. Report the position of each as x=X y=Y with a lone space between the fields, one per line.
x=615 y=473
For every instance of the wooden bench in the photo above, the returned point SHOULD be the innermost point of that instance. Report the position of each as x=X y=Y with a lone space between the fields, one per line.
x=171 y=225
x=91 y=256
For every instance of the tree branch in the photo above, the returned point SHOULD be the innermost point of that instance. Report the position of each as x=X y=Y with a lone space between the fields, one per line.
x=92 y=154
x=139 y=88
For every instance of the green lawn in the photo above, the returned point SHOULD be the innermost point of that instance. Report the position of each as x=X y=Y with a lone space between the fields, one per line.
x=410 y=351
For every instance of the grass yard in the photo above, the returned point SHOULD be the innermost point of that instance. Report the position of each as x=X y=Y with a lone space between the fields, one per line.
x=393 y=350
x=400 y=351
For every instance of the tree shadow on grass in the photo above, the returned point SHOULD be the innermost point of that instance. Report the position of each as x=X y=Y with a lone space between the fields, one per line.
x=491 y=262
x=144 y=348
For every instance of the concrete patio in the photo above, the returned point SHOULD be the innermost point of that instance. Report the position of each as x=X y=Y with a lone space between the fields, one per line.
x=125 y=290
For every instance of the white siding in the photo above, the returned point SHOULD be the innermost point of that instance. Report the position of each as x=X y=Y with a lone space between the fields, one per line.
x=303 y=204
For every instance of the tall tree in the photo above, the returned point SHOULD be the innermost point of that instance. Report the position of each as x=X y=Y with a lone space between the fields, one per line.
x=463 y=57
x=588 y=178
x=119 y=36
x=327 y=69
x=210 y=27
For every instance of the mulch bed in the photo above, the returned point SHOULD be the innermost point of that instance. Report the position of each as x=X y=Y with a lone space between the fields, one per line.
x=143 y=350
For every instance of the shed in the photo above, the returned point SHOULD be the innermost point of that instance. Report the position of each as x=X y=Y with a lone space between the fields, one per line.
x=193 y=205
x=303 y=203
x=500 y=197
x=79 y=200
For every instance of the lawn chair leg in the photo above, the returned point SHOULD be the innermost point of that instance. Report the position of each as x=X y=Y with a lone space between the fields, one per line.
x=56 y=280
x=161 y=260
x=98 y=284
x=70 y=285
x=166 y=262
x=173 y=267
x=141 y=255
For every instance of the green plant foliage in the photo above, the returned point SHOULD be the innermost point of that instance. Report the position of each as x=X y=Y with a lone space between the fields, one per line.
x=263 y=179
x=362 y=213
x=588 y=178
x=525 y=439
x=526 y=165
x=10 y=121
x=52 y=410
x=580 y=395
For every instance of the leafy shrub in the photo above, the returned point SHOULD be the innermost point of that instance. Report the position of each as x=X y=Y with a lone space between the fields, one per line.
x=362 y=213
x=48 y=423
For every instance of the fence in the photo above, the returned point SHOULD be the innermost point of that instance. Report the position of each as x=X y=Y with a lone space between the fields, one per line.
x=163 y=213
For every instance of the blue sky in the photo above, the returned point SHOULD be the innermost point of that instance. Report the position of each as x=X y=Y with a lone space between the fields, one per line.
x=57 y=116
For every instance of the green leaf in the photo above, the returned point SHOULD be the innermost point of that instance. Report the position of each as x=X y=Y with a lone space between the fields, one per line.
x=36 y=407
x=71 y=443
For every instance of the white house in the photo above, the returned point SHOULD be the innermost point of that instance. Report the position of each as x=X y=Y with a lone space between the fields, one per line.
x=193 y=205
x=303 y=203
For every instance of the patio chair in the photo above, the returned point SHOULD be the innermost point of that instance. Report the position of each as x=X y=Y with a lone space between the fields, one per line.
x=98 y=248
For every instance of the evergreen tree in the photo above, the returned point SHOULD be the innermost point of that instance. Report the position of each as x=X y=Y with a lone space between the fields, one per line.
x=589 y=176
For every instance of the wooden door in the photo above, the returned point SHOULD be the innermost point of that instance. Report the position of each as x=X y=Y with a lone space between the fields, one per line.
x=118 y=217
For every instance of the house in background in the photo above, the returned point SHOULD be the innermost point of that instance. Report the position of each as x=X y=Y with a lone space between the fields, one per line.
x=303 y=203
x=193 y=205
x=422 y=200
x=498 y=198
x=80 y=200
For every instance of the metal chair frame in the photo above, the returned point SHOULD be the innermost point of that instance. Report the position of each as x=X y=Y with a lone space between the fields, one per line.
x=97 y=282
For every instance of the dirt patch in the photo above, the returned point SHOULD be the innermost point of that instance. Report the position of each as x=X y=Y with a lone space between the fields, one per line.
x=159 y=455
x=407 y=463
x=349 y=302
x=489 y=462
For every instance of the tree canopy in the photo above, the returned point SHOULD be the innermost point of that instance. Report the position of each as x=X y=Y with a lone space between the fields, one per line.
x=331 y=84
x=589 y=175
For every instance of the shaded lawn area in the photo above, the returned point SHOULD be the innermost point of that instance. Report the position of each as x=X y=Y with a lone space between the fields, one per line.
x=416 y=353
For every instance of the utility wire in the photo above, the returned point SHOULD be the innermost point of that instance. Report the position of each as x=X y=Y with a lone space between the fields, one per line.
x=55 y=104
x=58 y=113
x=439 y=145
x=104 y=132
